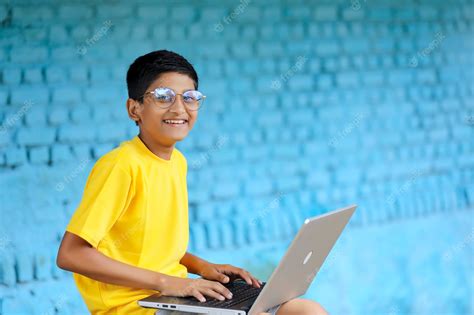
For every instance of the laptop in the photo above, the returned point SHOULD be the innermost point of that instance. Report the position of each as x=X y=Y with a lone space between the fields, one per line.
x=289 y=280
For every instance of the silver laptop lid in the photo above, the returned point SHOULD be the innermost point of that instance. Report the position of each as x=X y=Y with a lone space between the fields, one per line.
x=303 y=259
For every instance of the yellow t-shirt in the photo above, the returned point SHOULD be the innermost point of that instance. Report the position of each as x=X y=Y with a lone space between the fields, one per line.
x=135 y=210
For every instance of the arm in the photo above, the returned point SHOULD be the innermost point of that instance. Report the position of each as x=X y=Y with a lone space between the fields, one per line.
x=193 y=263
x=217 y=272
x=77 y=255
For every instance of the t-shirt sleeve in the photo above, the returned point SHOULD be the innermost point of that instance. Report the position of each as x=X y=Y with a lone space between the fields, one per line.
x=106 y=196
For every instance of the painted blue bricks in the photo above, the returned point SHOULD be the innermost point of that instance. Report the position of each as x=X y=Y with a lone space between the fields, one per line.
x=311 y=105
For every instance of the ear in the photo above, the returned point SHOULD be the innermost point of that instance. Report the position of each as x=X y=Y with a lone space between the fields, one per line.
x=134 y=109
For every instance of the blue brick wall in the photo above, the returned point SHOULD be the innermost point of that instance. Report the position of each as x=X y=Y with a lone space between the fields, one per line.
x=311 y=106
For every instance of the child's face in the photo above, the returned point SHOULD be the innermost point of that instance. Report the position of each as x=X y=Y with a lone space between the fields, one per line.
x=153 y=116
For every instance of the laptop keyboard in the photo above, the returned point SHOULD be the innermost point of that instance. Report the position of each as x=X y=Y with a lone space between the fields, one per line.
x=241 y=291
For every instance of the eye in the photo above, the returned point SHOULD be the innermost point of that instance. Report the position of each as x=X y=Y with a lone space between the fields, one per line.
x=163 y=95
x=192 y=96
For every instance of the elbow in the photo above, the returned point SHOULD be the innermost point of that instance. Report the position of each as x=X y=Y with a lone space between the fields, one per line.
x=62 y=260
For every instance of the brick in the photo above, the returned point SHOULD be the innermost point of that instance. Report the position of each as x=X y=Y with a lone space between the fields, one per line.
x=348 y=79
x=110 y=132
x=39 y=155
x=113 y=11
x=26 y=96
x=36 y=136
x=198 y=236
x=35 y=116
x=246 y=13
x=11 y=75
x=24 y=266
x=301 y=82
x=400 y=77
x=66 y=95
x=287 y=152
x=61 y=153
x=28 y=55
x=74 y=12
x=82 y=151
x=4 y=137
x=226 y=232
x=240 y=232
x=269 y=49
x=101 y=149
x=58 y=115
x=358 y=45
x=212 y=13
x=226 y=190
x=373 y=78
x=42 y=265
x=33 y=75
x=183 y=13
x=426 y=76
x=78 y=74
x=325 y=13
x=15 y=156
x=58 y=34
x=327 y=47
x=100 y=94
x=55 y=74
x=258 y=187
x=205 y=212
x=318 y=178
x=289 y=183
x=76 y=133
x=152 y=12
x=324 y=81
x=26 y=13
x=7 y=269
x=80 y=114
x=351 y=15
x=213 y=235
x=270 y=119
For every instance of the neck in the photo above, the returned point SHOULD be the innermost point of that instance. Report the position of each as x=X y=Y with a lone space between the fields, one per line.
x=160 y=150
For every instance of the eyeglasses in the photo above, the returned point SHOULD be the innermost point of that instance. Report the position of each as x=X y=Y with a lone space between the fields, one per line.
x=165 y=97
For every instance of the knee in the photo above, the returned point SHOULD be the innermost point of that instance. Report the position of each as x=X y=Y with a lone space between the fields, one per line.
x=301 y=307
x=312 y=308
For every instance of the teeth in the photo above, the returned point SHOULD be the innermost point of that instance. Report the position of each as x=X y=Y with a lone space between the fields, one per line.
x=172 y=121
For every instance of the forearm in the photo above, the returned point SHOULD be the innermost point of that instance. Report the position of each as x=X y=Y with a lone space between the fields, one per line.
x=88 y=261
x=193 y=263
x=93 y=264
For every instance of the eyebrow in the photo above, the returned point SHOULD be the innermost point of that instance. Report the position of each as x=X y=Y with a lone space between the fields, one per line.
x=164 y=86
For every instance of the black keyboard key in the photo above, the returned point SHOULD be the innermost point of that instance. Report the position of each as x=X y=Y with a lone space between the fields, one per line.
x=241 y=291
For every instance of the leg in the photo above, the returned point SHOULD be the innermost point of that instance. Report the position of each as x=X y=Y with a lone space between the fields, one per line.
x=301 y=307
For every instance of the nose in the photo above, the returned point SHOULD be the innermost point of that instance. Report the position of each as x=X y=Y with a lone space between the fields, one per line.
x=178 y=105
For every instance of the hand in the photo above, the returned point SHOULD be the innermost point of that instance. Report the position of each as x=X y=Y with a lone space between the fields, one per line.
x=182 y=287
x=226 y=273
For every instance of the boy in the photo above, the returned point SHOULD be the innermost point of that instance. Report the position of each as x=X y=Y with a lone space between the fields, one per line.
x=129 y=235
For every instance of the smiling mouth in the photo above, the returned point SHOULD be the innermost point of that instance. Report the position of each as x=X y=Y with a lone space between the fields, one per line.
x=175 y=122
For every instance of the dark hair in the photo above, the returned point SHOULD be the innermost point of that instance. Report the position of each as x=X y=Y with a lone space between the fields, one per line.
x=147 y=68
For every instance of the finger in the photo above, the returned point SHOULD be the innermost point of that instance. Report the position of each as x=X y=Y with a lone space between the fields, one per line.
x=214 y=294
x=244 y=275
x=255 y=282
x=223 y=278
x=198 y=295
x=216 y=286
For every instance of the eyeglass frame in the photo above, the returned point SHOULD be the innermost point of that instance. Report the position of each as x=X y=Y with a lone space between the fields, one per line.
x=176 y=94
